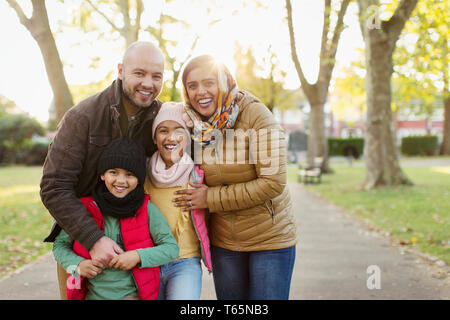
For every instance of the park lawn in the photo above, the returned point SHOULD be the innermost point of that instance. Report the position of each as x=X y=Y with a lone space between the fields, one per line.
x=417 y=216
x=24 y=221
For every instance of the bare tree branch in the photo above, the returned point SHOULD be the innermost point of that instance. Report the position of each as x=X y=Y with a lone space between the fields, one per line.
x=338 y=29
x=104 y=16
x=22 y=17
x=305 y=85
x=397 y=21
x=125 y=10
x=329 y=48
x=326 y=28
x=139 y=10
x=191 y=50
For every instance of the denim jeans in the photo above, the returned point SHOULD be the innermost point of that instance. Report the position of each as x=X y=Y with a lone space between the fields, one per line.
x=256 y=275
x=181 y=280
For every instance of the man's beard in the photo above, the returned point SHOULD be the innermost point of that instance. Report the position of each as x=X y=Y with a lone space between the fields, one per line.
x=128 y=95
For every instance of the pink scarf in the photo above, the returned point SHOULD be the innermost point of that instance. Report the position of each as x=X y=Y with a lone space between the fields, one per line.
x=176 y=176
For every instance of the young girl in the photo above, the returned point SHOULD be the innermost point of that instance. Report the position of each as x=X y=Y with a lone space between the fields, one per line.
x=172 y=169
x=124 y=212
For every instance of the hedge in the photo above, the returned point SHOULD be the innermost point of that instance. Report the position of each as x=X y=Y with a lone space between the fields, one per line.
x=346 y=147
x=419 y=145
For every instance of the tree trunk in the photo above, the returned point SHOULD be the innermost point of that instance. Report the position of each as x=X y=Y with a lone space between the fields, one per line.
x=62 y=98
x=174 y=90
x=39 y=28
x=317 y=93
x=445 y=148
x=130 y=37
x=317 y=139
x=130 y=31
x=380 y=150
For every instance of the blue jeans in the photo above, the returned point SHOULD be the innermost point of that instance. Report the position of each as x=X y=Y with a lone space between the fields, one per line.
x=256 y=275
x=181 y=280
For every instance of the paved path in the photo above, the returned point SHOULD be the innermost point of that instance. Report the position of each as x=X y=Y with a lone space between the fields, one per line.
x=333 y=255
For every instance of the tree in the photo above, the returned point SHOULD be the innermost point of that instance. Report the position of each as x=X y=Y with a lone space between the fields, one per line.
x=268 y=88
x=422 y=60
x=175 y=64
x=380 y=37
x=413 y=96
x=80 y=92
x=317 y=93
x=130 y=27
x=348 y=99
x=39 y=28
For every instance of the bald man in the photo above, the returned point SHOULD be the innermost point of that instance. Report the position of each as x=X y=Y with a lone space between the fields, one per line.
x=126 y=108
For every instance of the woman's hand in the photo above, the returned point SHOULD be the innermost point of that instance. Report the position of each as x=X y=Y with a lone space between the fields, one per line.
x=192 y=198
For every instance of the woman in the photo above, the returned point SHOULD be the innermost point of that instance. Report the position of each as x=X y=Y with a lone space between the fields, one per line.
x=242 y=153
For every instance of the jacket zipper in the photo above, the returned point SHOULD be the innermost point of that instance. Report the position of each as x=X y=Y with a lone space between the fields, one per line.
x=270 y=209
x=219 y=175
x=199 y=239
x=132 y=274
x=135 y=283
x=216 y=152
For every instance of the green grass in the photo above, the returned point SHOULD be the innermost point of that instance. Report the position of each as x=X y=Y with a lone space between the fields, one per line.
x=24 y=221
x=418 y=215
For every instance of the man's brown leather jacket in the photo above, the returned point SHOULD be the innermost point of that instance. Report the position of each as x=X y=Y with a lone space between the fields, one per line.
x=70 y=169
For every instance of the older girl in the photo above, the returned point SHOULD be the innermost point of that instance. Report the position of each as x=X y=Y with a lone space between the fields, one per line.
x=172 y=169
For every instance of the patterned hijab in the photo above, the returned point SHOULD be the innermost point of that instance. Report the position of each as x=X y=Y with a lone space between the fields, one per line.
x=226 y=112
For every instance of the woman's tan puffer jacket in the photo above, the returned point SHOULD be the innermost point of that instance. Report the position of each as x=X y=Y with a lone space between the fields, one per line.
x=249 y=202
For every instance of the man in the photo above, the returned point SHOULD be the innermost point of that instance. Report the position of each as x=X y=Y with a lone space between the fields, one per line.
x=125 y=109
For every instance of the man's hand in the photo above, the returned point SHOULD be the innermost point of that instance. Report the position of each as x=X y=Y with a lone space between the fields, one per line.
x=104 y=250
x=89 y=268
x=126 y=261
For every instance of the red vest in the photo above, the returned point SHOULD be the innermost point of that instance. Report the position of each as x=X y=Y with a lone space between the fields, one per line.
x=136 y=235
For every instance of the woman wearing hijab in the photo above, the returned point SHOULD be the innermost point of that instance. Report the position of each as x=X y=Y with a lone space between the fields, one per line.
x=242 y=151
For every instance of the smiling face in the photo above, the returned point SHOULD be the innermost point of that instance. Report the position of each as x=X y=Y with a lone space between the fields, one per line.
x=142 y=76
x=202 y=89
x=119 y=182
x=171 y=139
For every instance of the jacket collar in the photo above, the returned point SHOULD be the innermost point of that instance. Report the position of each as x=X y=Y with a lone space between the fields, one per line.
x=245 y=98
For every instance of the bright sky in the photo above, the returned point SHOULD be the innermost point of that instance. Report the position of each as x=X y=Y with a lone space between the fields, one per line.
x=25 y=81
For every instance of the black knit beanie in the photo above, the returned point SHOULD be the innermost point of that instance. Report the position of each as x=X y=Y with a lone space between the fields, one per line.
x=125 y=154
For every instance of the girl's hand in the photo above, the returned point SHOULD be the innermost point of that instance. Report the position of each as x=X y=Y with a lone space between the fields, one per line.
x=89 y=268
x=187 y=120
x=192 y=198
x=126 y=261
